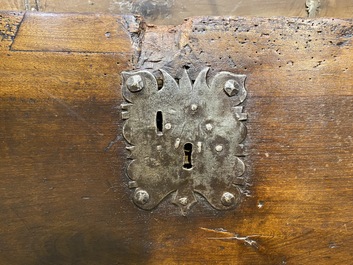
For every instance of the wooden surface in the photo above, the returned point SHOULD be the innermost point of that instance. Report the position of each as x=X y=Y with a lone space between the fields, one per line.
x=169 y=12
x=63 y=192
x=101 y=33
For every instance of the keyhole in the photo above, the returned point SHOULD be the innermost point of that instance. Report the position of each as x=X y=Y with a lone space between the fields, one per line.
x=159 y=122
x=187 y=156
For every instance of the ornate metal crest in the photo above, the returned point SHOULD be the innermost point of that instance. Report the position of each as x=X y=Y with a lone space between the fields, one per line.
x=184 y=138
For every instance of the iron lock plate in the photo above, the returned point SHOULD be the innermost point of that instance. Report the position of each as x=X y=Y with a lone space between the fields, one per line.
x=185 y=138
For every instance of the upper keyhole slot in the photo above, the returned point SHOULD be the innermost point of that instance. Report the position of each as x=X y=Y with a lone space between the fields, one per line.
x=187 y=156
x=159 y=122
x=160 y=83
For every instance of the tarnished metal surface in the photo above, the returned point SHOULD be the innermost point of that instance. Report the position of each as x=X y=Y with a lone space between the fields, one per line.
x=185 y=138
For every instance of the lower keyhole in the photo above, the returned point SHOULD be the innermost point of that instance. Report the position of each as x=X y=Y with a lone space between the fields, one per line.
x=187 y=155
x=159 y=122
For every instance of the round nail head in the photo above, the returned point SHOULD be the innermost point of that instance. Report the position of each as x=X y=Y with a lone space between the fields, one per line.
x=209 y=127
x=228 y=199
x=219 y=148
x=134 y=83
x=231 y=87
x=141 y=197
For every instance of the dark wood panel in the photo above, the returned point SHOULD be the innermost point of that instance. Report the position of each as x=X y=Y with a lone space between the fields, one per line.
x=64 y=76
x=56 y=170
x=63 y=192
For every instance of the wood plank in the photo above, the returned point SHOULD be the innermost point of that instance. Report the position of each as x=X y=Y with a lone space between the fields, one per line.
x=252 y=8
x=72 y=33
x=91 y=6
x=64 y=76
x=64 y=197
x=174 y=12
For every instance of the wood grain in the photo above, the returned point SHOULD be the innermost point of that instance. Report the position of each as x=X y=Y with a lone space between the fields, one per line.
x=167 y=12
x=63 y=191
x=12 y=5
x=336 y=8
x=71 y=33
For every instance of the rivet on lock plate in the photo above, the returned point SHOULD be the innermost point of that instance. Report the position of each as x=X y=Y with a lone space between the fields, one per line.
x=185 y=138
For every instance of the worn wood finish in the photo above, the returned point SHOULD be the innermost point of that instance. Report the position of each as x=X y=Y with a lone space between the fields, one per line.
x=12 y=5
x=169 y=12
x=47 y=32
x=9 y=24
x=63 y=192
x=58 y=116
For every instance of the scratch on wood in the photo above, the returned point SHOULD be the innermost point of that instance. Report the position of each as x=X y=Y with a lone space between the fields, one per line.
x=111 y=143
x=312 y=7
x=71 y=111
x=111 y=186
x=22 y=220
x=232 y=236
x=236 y=6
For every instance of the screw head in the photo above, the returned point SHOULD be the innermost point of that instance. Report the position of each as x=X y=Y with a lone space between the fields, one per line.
x=231 y=87
x=228 y=199
x=135 y=83
x=141 y=197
